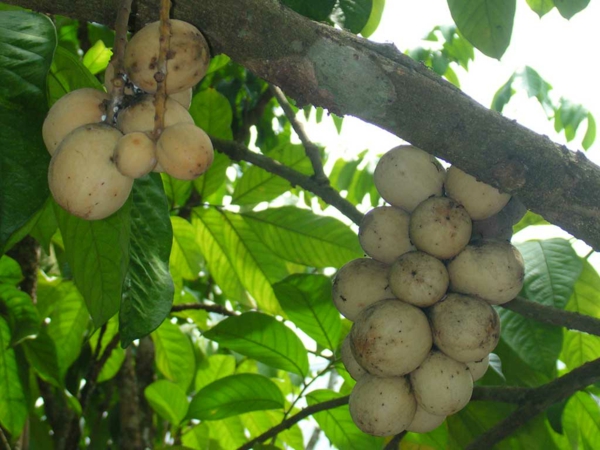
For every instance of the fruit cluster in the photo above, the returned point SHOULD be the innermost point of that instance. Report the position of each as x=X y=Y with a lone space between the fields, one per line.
x=94 y=163
x=424 y=324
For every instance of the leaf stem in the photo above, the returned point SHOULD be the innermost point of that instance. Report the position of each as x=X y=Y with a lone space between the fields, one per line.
x=219 y=309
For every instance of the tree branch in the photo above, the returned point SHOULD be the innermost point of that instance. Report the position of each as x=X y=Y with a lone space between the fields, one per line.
x=160 y=98
x=394 y=443
x=205 y=307
x=329 y=195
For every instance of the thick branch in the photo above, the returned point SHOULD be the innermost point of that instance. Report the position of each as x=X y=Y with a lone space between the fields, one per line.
x=317 y=64
x=329 y=195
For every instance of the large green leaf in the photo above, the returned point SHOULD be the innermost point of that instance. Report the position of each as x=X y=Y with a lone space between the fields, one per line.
x=237 y=259
x=314 y=9
x=10 y=271
x=149 y=294
x=234 y=395
x=516 y=371
x=263 y=338
x=186 y=255
x=174 y=354
x=22 y=316
x=117 y=355
x=98 y=255
x=300 y=236
x=257 y=185
x=353 y=15
x=306 y=299
x=338 y=426
x=27 y=42
x=258 y=422
x=168 y=400
x=541 y=7
x=214 y=178
x=213 y=368
x=212 y=112
x=42 y=357
x=13 y=405
x=487 y=24
x=568 y=8
x=369 y=28
x=215 y=435
x=581 y=421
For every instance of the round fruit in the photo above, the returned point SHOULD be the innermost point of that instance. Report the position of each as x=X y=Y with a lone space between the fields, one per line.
x=71 y=111
x=442 y=386
x=491 y=270
x=419 y=279
x=349 y=361
x=383 y=233
x=464 y=328
x=479 y=368
x=184 y=98
x=479 y=199
x=187 y=60
x=406 y=175
x=358 y=284
x=140 y=116
x=382 y=406
x=390 y=338
x=135 y=154
x=184 y=151
x=424 y=422
x=83 y=177
x=441 y=227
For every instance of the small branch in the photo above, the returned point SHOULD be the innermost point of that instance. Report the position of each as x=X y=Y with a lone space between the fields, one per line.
x=129 y=405
x=160 y=98
x=328 y=194
x=312 y=151
x=4 y=440
x=205 y=307
x=252 y=117
x=118 y=82
x=504 y=394
x=145 y=376
x=288 y=423
x=394 y=444
x=554 y=316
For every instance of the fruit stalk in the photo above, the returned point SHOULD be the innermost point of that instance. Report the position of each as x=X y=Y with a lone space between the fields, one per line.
x=160 y=98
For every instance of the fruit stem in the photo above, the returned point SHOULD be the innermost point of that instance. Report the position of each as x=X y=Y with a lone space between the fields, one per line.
x=160 y=98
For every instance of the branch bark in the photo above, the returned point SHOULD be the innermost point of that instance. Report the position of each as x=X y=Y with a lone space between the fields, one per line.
x=317 y=64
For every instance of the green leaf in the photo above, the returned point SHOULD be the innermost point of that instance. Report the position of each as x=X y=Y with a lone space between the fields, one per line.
x=174 y=354
x=98 y=255
x=338 y=426
x=168 y=400
x=258 y=185
x=487 y=24
x=186 y=255
x=212 y=112
x=503 y=95
x=541 y=7
x=590 y=134
x=313 y=9
x=198 y=437
x=217 y=63
x=353 y=15
x=45 y=226
x=515 y=370
x=234 y=395
x=117 y=355
x=149 y=294
x=374 y=20
x=568 y=117
x=300 y=236
x=67 y=73
x=306 y=299
x=529 y=219
x=568 y=8
x=258 y=422
x=581 y=421
x=27 y=42
x=97 y=57
x=42 y=357
x=10 y=271
x=263 y=338
x=214 y=178
x=177 y=191
x=13 y=405
x=216 y=435
x=22 y=316
x=213 y=368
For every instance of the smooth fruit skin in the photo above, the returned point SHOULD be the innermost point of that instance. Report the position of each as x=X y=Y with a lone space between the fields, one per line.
x=383 y=233
x=358 y=284
x=77 y=108
x=479 y=368
x=187 y=61
x=83 y=177
x=350 y=363
x=424 y=422
x=390 y=338
x=406 y=175
x=382 y=406
x=140 y=116
x=464 y=327
x=135 y=154
x=184 y=151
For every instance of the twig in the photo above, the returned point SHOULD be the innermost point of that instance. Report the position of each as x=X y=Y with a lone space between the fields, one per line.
x=99 y=345
x=504 y=394
x=3 y=439
x=118 y=83
x=554 y=316
x=394 y=444
x=160 y=98
x=306 y=386
x=537 y=401
x=312 y=151
x=328 y=194
x=205 y=307
x=288 y=423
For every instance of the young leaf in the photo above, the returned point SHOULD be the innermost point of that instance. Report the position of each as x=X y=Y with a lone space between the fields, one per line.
x=13 y=405
x=22 y=316
x=300 y=236
x=541 y=7
x=174 y=354
x=234 y=395
x=98 y=255
x=373 y=22
x=213 y=368
x=590 y=134
x=149 y=294
x=263 y=338
x=306 y=299
x=168 y=400
x=97 y=57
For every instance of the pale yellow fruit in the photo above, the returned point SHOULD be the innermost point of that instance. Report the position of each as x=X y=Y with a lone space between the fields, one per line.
x=479 y=199
x=353 y=368
x=184 y=98
x=83 y=177
x=383 y=233
x=71 y=111
x=184 y=151
x=424 y=422
x=479 y=368
x=135 y=154
x=187 y=62
x=140 y=116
